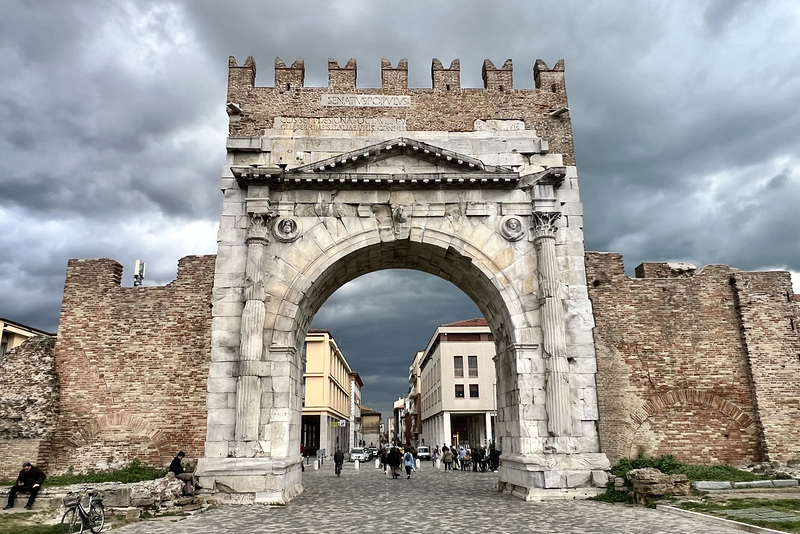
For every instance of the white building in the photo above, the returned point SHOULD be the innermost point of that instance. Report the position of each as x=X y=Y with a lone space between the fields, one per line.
x=458 y=399
x=356 y=430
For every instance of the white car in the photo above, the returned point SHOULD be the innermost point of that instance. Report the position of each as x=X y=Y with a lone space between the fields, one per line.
x=358 y=453
x=423 y=452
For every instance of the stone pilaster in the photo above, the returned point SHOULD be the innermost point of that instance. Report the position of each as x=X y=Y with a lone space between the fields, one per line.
x=557 y=399
x=248 y=387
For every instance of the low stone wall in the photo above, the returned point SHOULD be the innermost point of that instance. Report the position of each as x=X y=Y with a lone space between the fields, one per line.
x=155 y=497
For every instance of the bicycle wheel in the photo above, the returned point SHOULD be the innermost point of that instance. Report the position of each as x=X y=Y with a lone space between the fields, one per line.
x=97 y=518
x=71 y=522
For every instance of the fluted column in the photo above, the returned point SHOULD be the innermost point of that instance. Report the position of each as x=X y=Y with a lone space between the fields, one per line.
x=248 y=386
x=557 y=396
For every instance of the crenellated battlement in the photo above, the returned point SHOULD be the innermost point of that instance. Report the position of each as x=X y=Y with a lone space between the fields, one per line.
x=396 y=78
x=395 y=107
x=446 y=79
x=495 y=79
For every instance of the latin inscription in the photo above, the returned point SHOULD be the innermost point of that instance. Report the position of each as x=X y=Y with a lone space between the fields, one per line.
x=494 y=125
x=353 y=124
x=366 y=100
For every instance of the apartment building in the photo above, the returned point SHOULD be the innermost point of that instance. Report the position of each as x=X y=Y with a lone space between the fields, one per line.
x=457 y=385
x=331 y=396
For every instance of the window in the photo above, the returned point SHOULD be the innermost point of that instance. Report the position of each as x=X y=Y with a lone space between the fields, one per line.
x=472 y=361
x=458 y=367
x=473 y=391
x=459 y=391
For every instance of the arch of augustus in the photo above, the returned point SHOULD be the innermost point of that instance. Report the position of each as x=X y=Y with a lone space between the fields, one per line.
x=476 y=186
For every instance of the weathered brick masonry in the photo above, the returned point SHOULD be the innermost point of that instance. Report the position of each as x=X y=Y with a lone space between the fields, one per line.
x=132 y=364
x=703 y=365
x=28 y=404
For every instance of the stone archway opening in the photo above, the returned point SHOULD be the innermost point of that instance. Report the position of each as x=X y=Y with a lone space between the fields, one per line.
x=397 y=321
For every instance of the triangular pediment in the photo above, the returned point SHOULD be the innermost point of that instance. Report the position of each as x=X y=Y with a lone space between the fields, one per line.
x=400 y=162
x=400 y=155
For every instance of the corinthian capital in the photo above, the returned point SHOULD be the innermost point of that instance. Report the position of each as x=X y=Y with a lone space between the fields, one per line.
x=544 y=223
x=259 y=229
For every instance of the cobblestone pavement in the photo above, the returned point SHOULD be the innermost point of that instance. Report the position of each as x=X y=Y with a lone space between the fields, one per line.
x=367 y=501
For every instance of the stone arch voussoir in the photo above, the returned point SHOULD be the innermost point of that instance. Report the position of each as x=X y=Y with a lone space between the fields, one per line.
x=295 y=303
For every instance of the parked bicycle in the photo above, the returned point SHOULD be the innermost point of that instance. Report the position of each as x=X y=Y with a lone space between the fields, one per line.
x=92 y=516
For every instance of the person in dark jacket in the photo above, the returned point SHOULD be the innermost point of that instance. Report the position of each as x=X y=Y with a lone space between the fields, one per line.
x=177 y=467
x=395 y=459
x=30 y=480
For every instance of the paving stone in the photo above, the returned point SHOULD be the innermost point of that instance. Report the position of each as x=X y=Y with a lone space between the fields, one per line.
x=433 y=500
x=753 y=484
x=711 y=485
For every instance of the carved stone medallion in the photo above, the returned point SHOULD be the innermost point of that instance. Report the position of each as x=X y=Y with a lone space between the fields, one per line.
x=286 y=229
x=511 y=228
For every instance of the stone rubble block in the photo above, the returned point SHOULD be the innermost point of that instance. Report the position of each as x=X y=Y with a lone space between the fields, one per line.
x=649 y=483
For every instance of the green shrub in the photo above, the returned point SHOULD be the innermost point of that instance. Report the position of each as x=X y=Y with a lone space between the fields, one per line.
x=612 y=495
x=133 y=472
x=668 y=464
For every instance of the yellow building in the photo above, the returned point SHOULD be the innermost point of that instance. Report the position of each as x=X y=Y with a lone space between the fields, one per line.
x=13 y=335
x=331 y=396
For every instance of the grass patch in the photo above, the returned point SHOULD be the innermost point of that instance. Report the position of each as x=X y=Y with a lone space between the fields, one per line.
x=719 y=509
x=611 y=495
x=133 y=472
x=19 y=523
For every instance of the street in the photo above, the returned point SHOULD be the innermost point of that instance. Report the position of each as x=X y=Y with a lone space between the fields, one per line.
x=367 y=501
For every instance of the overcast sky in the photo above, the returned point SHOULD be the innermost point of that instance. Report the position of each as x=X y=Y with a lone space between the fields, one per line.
x=686 y=117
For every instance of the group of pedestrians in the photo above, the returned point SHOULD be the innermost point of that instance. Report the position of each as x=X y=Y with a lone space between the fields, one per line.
x=479 y=459
x=392 y=459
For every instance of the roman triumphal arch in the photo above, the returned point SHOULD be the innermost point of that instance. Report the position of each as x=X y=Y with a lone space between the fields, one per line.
x=477 y=186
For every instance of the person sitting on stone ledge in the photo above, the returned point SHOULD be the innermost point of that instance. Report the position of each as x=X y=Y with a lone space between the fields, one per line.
x=177 y=467
x=30 y=480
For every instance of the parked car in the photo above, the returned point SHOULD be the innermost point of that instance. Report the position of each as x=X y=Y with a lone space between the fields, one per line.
x=423 y=452
x=375 y=451
x=357 y=453
x=368 y=453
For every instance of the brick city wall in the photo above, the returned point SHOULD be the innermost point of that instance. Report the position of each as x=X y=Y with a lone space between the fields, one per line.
x=676 y=349
x=684 y=357
x=132 y=363
x=444 y=107
x=770 y=318
x=28 y=404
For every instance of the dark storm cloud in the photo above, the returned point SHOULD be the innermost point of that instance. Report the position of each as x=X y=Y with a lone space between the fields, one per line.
x=112 y=130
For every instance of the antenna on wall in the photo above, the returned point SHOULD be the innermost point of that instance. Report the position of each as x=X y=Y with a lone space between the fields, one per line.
x=138 y=273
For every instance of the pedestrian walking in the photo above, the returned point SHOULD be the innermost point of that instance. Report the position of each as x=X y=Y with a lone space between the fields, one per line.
x=408 y=463
x=395 y=459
